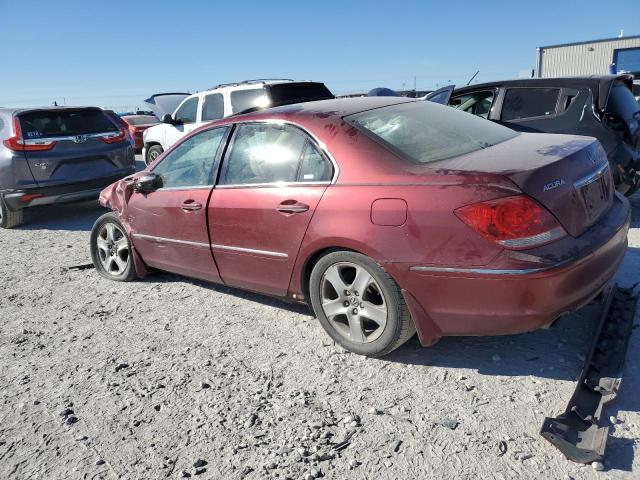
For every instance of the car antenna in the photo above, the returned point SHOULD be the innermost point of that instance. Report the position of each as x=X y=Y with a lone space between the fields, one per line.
x=474 y=76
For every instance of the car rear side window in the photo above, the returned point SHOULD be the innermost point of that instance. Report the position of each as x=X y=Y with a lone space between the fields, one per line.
x=213 y=107
x=245 y=99
x=314 y=167
x=425 y=132
x=263 y=154
x=62 y=123
x=191 y=163
x=188 y=111
x=522 y=103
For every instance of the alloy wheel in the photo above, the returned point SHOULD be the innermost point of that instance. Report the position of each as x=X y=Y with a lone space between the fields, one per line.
x=113 y=249
x=353 y=302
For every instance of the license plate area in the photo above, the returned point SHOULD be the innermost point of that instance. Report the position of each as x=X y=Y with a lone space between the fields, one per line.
x=595 y=193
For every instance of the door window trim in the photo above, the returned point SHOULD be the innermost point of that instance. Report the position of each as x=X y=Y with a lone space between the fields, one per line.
x=308 y=136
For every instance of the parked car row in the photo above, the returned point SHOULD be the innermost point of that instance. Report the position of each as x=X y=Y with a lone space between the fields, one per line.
x=361 y=207
x=61 y=154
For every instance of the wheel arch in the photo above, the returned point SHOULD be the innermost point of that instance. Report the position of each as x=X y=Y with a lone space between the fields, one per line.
x=302 y=272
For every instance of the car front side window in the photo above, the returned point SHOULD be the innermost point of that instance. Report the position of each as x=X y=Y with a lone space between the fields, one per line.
x=191 y=163
x=188 y=111
x=262 y=153
x=477 y=103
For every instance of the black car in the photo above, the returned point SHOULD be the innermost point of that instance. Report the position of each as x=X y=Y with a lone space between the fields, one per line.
x=58 y=154
x=598 y=106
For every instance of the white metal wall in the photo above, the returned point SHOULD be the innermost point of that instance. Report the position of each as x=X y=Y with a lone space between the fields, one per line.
x=584 y=59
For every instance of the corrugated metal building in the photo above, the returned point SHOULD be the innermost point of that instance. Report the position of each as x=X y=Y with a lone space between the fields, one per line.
x=596 y=57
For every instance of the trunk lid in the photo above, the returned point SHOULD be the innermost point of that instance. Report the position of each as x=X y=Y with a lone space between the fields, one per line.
x=78 y=154
x=567 y=174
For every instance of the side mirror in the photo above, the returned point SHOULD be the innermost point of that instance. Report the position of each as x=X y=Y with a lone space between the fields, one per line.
x=167 y=118
x=147 y=183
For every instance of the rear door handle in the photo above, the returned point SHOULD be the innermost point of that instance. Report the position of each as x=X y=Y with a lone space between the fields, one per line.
x=292 y=206
x=190 y=205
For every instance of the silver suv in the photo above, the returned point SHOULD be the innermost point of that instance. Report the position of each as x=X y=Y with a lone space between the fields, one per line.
x=55 y=155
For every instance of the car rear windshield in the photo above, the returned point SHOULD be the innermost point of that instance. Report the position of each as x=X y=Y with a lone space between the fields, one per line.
x=60 y=123
x=623 y=104
x=141 y=120
x=426 y=132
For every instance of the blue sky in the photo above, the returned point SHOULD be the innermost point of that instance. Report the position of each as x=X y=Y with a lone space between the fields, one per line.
x=116 y=53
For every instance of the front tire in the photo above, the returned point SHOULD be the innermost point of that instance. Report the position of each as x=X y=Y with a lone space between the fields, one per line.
x=358 y=304
x=111 y=249
x=10 y=218
x=153 y=152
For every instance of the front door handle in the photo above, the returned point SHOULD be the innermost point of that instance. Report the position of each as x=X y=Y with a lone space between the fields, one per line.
x=292 y=206
x=190 y=205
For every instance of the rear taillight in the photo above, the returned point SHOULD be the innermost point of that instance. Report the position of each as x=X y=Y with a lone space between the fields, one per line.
x=17 y=144
x=115 y=137
x=515 y=222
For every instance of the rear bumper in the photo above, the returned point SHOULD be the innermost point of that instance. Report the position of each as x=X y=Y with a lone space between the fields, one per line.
x=73 y=192
x=479 y=301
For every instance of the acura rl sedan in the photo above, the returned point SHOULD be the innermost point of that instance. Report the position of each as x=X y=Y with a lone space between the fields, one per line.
x=388 y=215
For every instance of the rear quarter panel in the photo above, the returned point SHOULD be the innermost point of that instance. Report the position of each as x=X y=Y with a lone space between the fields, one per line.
x=430 y=235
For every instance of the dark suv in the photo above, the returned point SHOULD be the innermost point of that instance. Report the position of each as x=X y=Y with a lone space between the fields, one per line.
x=598 y=106
x=56 y=155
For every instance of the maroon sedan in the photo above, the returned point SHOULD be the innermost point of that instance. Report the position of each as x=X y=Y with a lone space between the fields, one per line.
x=136 y=125
x=388 y=215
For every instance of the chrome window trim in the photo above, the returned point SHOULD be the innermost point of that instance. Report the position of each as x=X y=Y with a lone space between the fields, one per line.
x=490 y=271
x=272 y=185
x=321 y=146
x=592 y=177
x=188 y=187
x=213 y=245
x=33 y=141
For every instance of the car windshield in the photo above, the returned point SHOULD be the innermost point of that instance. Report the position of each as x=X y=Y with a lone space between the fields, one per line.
x=426 y=132
x=141 y=120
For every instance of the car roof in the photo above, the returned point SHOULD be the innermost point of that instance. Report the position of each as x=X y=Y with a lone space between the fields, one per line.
x=599 y=84
x=14 y=110
x=338 y=107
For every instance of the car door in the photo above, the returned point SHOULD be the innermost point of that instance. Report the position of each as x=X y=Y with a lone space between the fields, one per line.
x=271 y=181
x=185 y=121
x=169 y=225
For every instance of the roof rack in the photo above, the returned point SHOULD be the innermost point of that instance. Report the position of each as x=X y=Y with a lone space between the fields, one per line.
x=250 y=82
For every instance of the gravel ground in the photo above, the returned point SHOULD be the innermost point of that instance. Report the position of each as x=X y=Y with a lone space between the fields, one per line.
x=170 y=377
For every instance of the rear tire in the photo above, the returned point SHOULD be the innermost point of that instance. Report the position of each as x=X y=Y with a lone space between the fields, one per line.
x=10 y=218
x=111 y=249
x=153 y=152
x=376 y=320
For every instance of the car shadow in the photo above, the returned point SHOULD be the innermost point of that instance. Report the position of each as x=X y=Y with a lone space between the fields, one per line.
x=76 y=217
x=556 y=353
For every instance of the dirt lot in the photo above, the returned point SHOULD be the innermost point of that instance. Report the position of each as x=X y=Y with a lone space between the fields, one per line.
x=106 y=380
